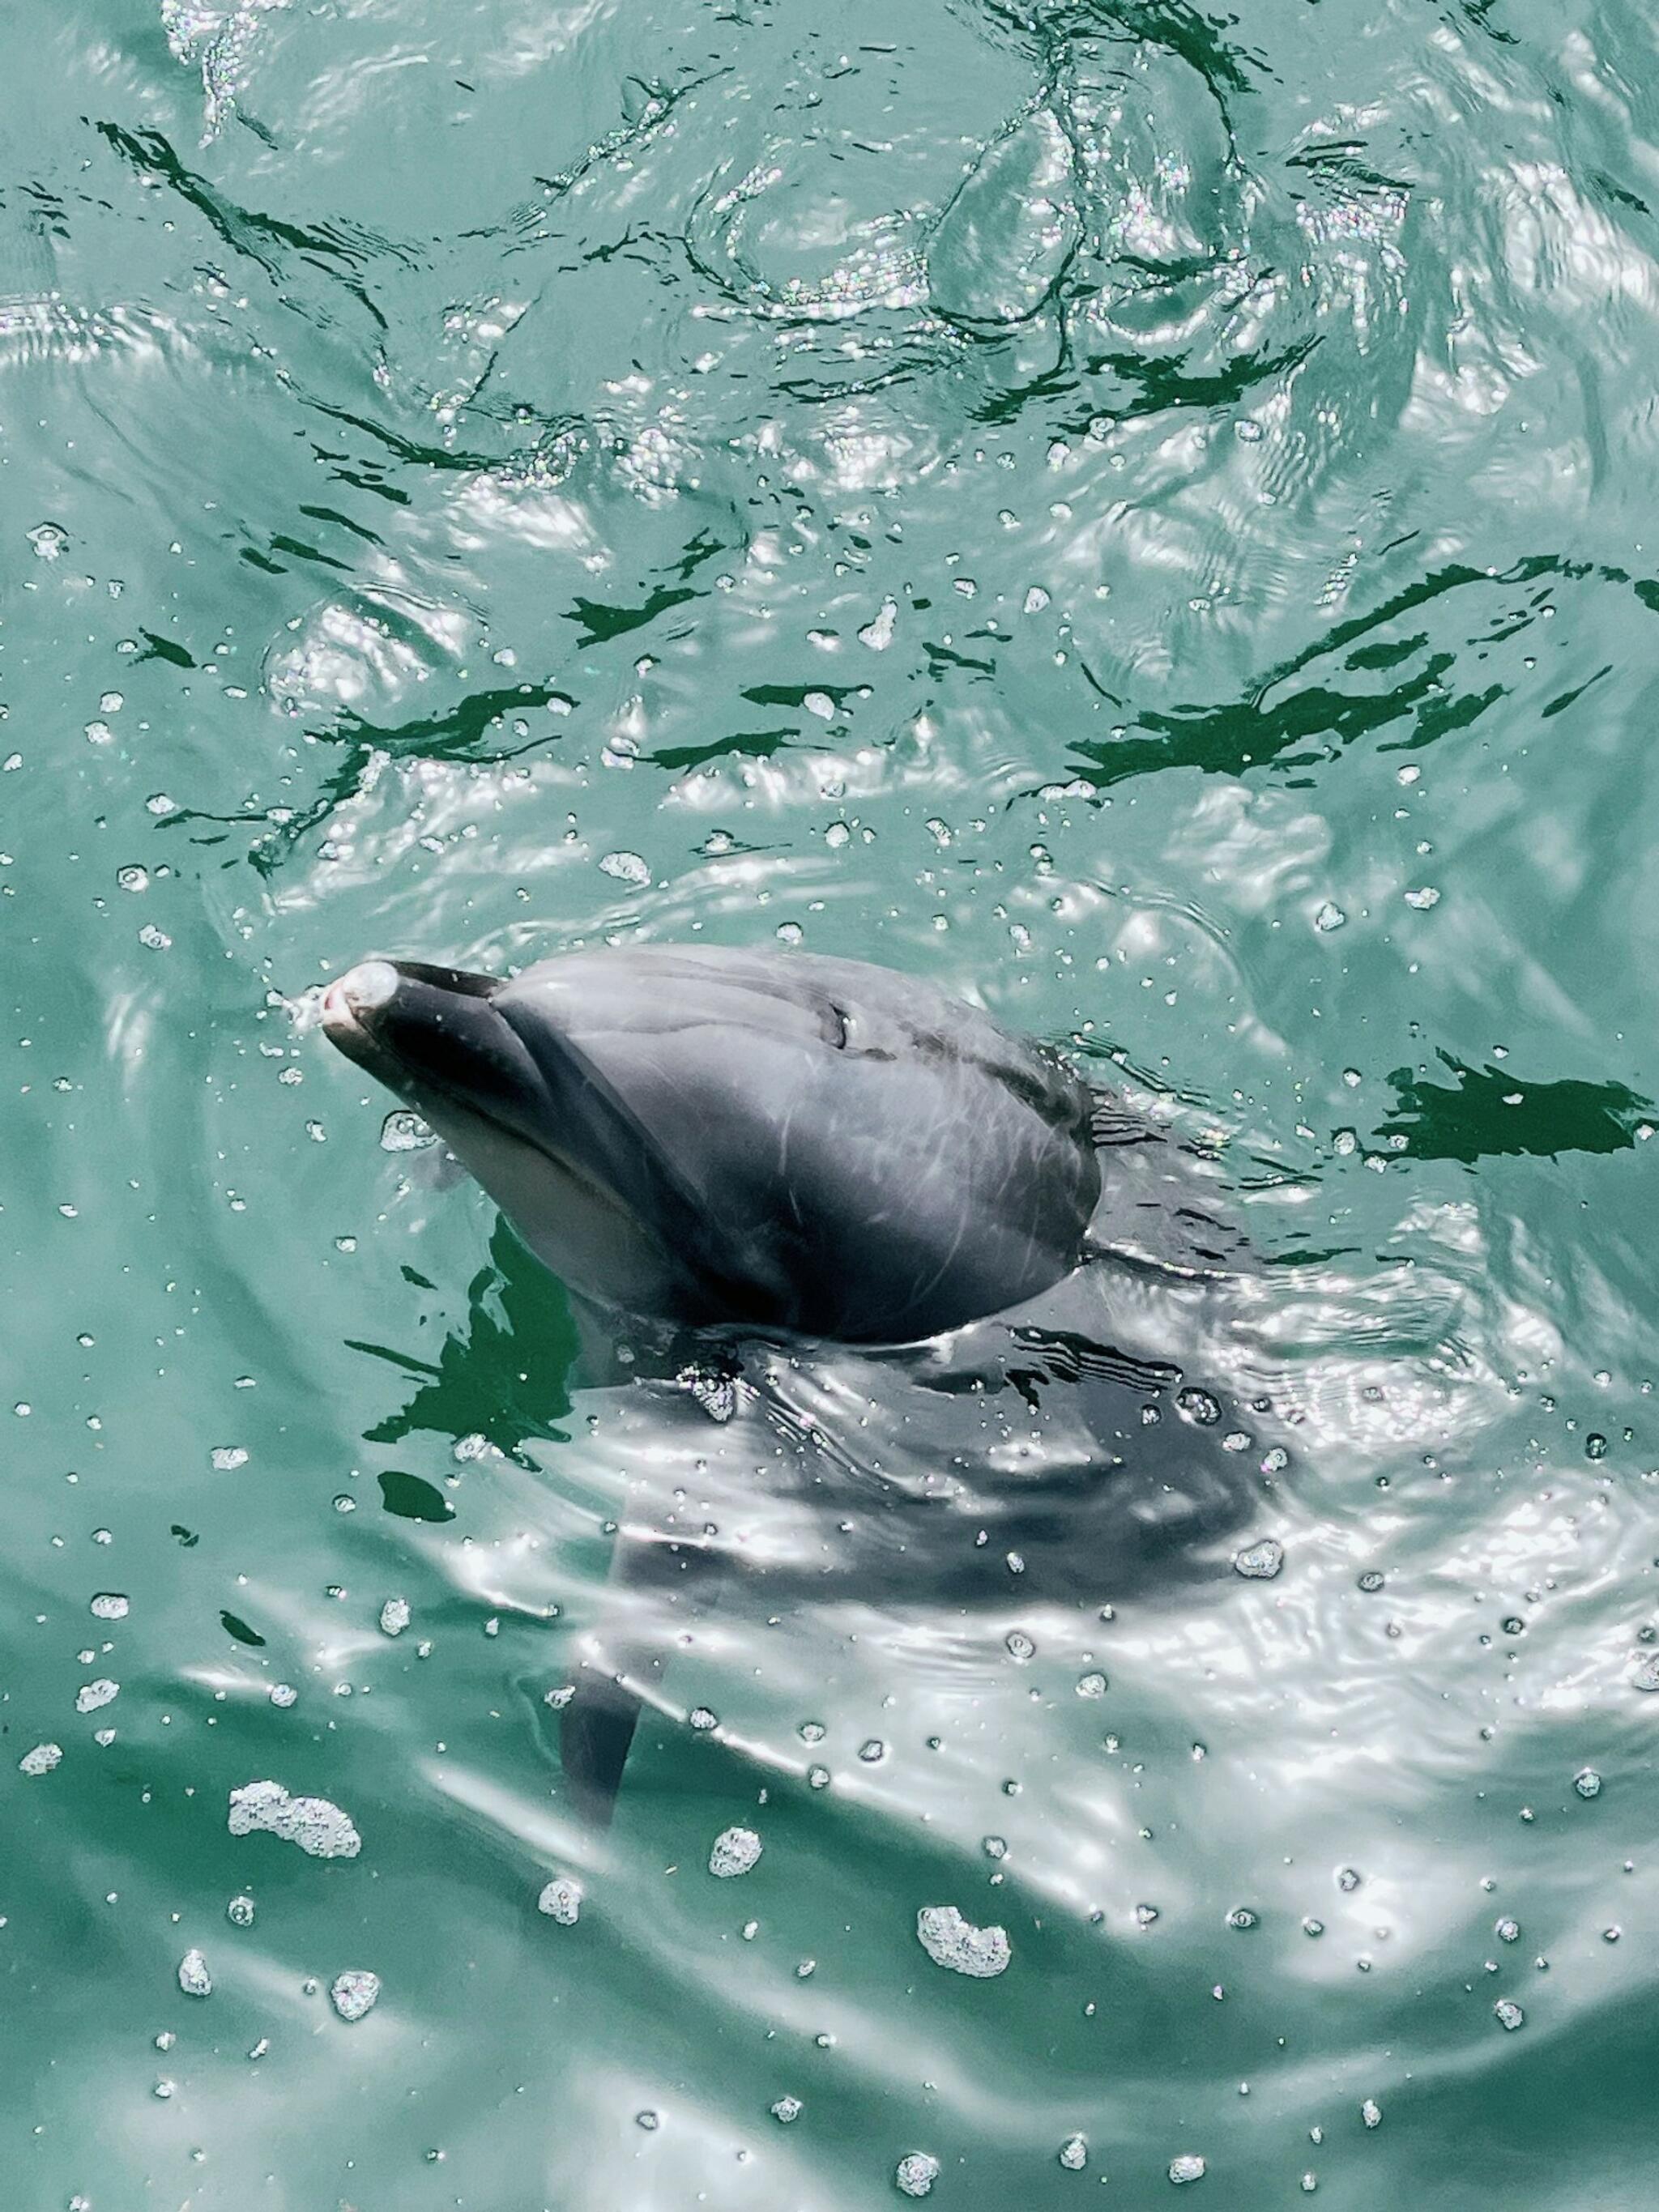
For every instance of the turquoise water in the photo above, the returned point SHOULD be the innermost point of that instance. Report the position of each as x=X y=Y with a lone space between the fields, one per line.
x=1140 y=516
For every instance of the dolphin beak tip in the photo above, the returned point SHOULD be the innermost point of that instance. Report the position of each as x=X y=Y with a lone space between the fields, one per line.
x=362 y=990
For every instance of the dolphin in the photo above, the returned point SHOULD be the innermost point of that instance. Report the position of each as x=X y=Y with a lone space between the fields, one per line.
x=731 y=1146
x=710 y=1137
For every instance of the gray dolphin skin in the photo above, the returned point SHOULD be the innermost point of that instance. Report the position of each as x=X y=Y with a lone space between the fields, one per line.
x=779 y=1142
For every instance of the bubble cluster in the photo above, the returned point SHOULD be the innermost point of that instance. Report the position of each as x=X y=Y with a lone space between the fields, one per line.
x=734 y=1852
x=951 y=1942
x=319 y=1828
x=355 y=1993
x=561 y=1900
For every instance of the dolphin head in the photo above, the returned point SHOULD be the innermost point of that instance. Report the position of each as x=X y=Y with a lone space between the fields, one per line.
x=712 y=1137
x=439 y=1039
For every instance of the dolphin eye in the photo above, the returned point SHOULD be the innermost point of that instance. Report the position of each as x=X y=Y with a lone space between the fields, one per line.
x=836 y=1027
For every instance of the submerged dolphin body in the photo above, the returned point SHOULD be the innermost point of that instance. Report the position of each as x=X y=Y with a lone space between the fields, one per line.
x=792 y=1148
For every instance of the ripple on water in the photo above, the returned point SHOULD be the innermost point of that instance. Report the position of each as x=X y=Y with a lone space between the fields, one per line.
x=1000 y=492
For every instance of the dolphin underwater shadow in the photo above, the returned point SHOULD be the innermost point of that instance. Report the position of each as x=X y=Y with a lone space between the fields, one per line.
x=900 y=1297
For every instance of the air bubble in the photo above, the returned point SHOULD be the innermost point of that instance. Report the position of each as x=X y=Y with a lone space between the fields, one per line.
x=561 y=1900
x=627 y=868
x=404 y=1132
x=355 y=1993
x=735 y=1851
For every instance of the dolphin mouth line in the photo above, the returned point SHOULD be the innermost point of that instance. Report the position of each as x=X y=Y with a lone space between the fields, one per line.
x=347 y=1030
x=336 y=1011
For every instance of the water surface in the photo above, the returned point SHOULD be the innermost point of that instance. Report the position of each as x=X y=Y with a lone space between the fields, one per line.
x=1137 y=515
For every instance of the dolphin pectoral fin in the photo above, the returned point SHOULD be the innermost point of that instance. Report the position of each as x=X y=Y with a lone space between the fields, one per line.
x=594 y=1741
x=656 y=1585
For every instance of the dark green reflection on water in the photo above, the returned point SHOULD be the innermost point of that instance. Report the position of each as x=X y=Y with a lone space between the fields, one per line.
x=502 y=1373
x=1491 y=1111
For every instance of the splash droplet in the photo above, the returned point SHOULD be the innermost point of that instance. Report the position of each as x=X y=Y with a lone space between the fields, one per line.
x=627 y=868
x=355 y=1993
x=735 y=1851
x=561 y=1900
